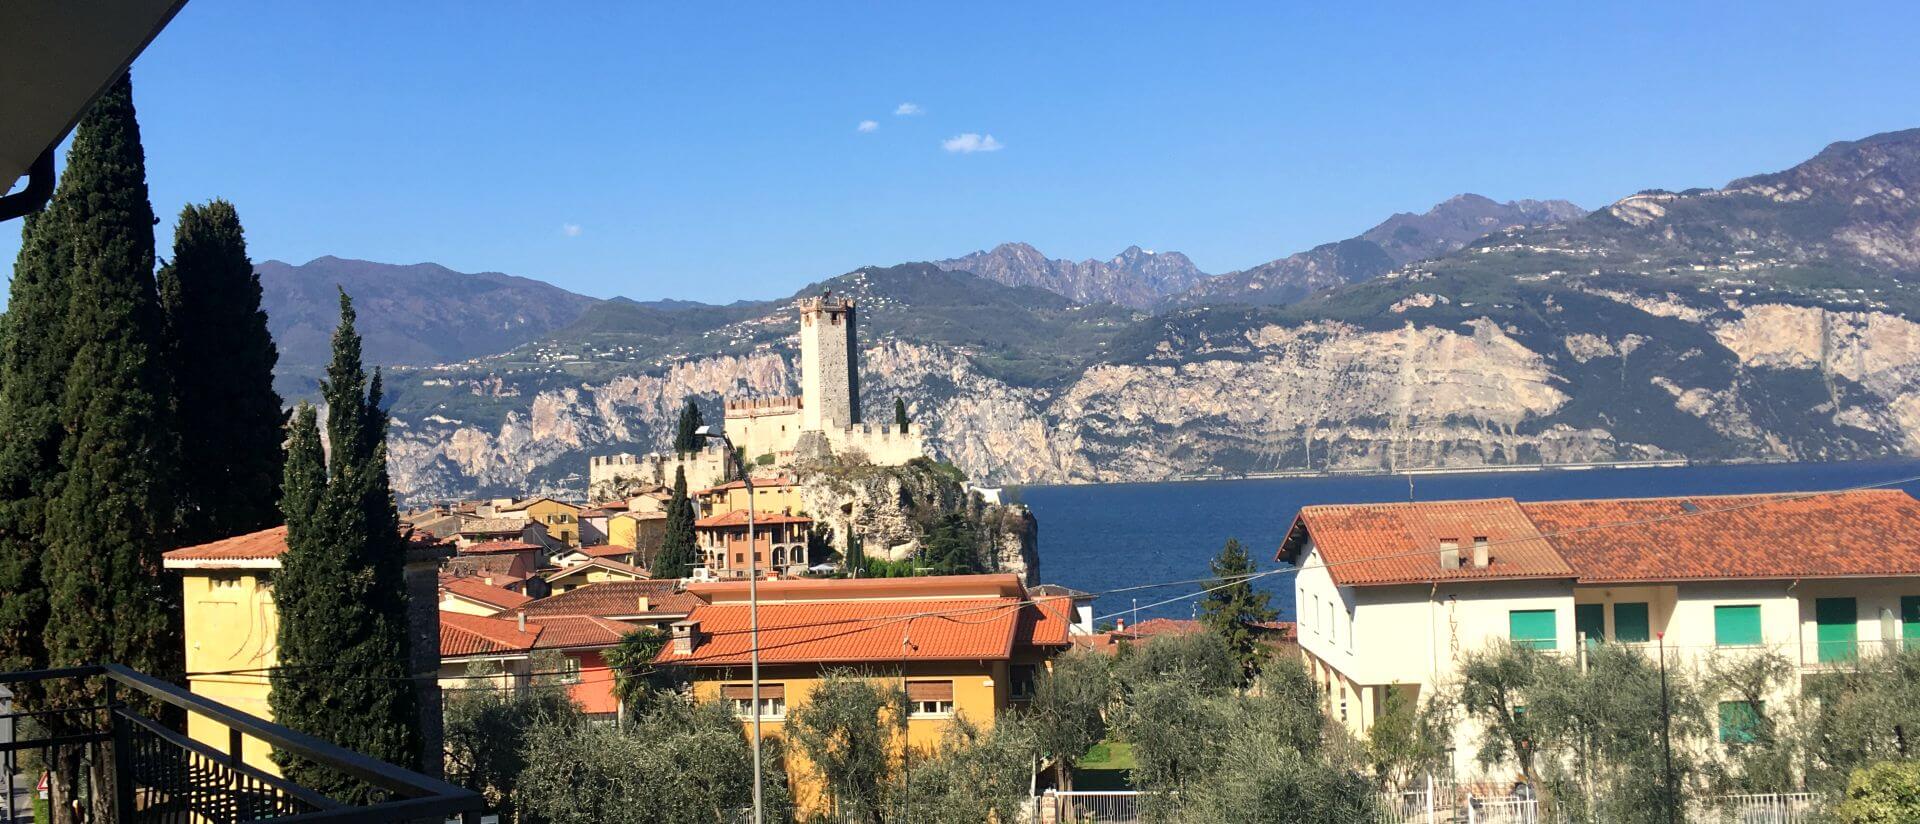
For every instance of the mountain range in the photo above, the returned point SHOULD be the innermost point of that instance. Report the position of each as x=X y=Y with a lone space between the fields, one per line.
x=1770 y=319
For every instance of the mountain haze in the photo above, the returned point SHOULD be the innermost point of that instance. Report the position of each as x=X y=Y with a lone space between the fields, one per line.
x=1135 y=278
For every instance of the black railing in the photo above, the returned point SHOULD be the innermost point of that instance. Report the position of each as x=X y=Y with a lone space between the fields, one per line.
x=164 y=777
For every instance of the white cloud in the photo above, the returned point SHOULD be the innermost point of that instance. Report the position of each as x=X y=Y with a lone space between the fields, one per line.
x=908 y=108
x=570 y=229
x=867 y=125
x=968 y=143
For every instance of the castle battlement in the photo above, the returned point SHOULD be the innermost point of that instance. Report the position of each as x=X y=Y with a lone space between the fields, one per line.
x=762 y=406
x=823 y=303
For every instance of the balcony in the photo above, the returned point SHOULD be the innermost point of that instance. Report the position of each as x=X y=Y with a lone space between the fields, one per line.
x=162 y=776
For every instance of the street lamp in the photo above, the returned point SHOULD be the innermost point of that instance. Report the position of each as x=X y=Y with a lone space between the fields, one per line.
x=753 y=607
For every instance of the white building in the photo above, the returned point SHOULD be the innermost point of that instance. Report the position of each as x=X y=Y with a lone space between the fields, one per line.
x=1391 y=596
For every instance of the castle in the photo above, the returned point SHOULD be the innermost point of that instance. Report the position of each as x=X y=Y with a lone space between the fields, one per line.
x=776 y=432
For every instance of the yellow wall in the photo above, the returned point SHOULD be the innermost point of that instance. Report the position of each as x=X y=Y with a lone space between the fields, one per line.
x=230 y=625
x=784 y=499
x=561 y=519
x=979 y=693
x=592 y=575
x=644 y=534
x=451 y=603
x=763 y=432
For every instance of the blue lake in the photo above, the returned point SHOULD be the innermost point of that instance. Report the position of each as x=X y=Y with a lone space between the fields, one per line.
x=1104 y=537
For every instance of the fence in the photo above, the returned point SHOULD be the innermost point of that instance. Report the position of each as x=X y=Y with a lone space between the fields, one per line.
x=1444 y=805
x=1087 y=807
x=1778 y=808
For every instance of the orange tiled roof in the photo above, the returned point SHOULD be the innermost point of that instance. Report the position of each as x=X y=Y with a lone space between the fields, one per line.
x=474 y=589
x=253 y=546
x=1842 y=534
x=616 y=599
x=578 y=631
x=738 y=517
x=758 y=483
x=864 y=631
x=1872 y=532
x=1045 y=622
x=495 y=547
x=1372 y=544
x=475 y=635
x=499 y=567
x=1153 y=627
x=614 y=551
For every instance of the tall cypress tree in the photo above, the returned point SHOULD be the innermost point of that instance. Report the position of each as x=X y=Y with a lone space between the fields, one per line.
x=685 y=437
x=231 y=425
x=33 y=362
x=678 y=553
x=114 y=513
x=900 y=421
x=341 y=590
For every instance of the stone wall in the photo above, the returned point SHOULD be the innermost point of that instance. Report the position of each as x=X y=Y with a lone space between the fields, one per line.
x=886 y=445
x=766 y=426
x=829 y=363
x=608 y=476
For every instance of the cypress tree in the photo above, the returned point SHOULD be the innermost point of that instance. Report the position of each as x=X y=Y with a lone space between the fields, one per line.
x=1234 y=606
x=341 y=590
x=114 y=512
x=900 y=414
x=33 y=363
x=678 y=554
x=685 y=439
x=231 y=425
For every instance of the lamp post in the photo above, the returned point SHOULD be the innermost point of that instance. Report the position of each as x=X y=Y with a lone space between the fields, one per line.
x=753 y=610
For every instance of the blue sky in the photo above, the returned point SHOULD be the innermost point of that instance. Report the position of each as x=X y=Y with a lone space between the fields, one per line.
x=714 y=151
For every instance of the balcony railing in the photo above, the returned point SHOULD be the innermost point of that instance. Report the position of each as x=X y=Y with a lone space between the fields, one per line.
x=162 y=776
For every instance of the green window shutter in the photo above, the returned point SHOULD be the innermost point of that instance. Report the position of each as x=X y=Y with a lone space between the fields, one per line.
x=1910 y=617
x=1591 y=619
x=1736 y=625
x=1838 y=629
x=1532 y=628
x=1630 y=624
x=1739 y=722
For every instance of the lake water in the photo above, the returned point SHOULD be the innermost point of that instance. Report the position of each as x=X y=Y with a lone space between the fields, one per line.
x=1103 y=537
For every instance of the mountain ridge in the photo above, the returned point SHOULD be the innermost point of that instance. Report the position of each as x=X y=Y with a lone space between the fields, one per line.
x=1135 y=278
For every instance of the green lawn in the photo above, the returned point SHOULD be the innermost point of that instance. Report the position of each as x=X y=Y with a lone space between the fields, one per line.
x=1108 y=766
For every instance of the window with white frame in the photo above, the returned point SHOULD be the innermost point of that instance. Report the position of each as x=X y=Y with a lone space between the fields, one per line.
x=773 y=699
x=569 y=670
x=929 y=699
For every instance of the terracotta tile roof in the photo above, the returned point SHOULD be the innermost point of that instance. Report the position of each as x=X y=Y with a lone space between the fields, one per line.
x=1154 y=627
x=738 y=517
x=462 y=635
x=758 y=483
x=521 y=505
x=601 y=563
x=1874 y=532
x=863 y=631
x=643 y=516
x=613 y=551
x=1373 y=544
x=495 y=526
x=996 y=585
x=499 y=567
x=1045 y=622
x=1860 y=533
x=478 y=591
x=266 y=544
x=498 y=547
x=576 y=631
x=616 y=599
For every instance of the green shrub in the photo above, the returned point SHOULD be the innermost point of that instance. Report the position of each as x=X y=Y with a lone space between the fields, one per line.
x=1883 y=793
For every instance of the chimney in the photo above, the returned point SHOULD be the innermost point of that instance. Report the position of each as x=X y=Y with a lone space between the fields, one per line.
x=686 y=636
x=522 y=617
x=1119 y=625
x=1480 y=558
x=1449 y=553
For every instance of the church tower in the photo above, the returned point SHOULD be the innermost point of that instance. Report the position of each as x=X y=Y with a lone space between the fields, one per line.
x=829 y=364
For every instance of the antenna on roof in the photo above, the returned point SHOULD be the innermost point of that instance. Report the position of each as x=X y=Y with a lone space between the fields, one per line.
x=1409 y=486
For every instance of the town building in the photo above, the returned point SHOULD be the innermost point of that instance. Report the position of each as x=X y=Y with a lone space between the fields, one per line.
x=593 y=571
x=1393 y=596
x=561 y=519
x=481 y=530
x=510 y=646
x=643 y=532
x=231 y=629
x=963 y=645
x=530 y=555
x=779 y=544
x=773 y=494
x=471 y=596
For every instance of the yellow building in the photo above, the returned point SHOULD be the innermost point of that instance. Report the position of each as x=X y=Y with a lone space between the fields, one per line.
x=561 y=519
x=231 y=631
x=769 y=495
x=639 y=531
x=594 y=571
x=960 y=645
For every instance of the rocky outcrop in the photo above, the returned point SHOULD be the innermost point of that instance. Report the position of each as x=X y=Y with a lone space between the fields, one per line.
x=889 y=509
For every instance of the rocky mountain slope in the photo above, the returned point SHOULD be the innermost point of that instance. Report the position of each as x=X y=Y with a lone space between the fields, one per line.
x=1135 y=278
x=1771 y=319
x=419 y=314
x=1400 y=239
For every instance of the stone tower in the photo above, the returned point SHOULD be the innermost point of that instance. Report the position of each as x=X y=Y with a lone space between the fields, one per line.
x=829 y=364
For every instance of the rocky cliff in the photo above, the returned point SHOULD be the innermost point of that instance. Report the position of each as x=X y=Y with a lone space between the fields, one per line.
x=1136 y=278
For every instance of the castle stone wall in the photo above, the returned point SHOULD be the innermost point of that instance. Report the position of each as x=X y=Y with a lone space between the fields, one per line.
x=883 y=445
x=764 y=427
x=829 y=364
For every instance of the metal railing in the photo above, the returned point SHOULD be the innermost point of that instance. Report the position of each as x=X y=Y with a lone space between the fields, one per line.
x=162 y=777
x=1087 y=807
x=1770 y=808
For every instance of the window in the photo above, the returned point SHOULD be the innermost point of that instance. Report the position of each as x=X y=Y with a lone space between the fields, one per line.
x=1910 y=617
x=1532 y=628
x=569 y=670
x=1590 y=620
x=1022 y=676
x=1630 y=624
x=1739 y=722
x=1736 y=626
x=929 y=698
x=1837 y=629
x=773 y=699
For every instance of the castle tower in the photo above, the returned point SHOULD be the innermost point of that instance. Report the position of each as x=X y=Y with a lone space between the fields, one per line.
x=829 y=364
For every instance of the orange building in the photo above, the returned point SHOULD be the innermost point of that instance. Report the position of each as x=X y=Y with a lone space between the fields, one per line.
x=780 y=543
